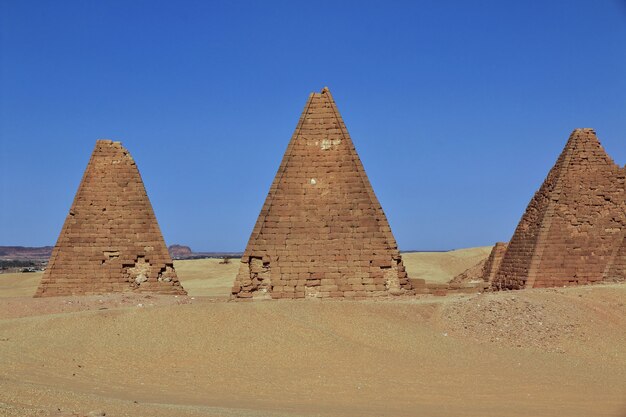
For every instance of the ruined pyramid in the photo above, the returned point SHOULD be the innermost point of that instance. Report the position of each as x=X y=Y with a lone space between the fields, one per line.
x=572 y=232
x=110 y=241
x=321 y=232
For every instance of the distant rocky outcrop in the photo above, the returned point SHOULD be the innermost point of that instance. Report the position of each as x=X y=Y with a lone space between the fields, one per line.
x=180 y=251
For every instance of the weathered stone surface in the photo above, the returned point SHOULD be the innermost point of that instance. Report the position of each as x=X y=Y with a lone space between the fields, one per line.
x=321 y=232
x=110 y=241
x=572 y=232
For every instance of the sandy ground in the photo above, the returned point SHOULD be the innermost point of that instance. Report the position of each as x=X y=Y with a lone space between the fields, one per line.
x=555 y=352
x=207 y=277
x=19 y=285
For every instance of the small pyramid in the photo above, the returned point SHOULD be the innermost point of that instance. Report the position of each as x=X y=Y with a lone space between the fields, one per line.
x=574 y=225
x=321 y=232
x=110 y=241
x=492 y=264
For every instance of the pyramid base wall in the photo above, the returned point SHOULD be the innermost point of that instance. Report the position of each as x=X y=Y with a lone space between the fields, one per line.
x=255 y=280
x=92 y=285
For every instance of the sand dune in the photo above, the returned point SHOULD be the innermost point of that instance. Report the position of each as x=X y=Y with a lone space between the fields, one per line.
x=441 y=267
x=556 y=352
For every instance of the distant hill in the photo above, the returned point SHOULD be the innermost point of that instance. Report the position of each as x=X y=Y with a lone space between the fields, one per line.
x=25 y=253
x=184 y=252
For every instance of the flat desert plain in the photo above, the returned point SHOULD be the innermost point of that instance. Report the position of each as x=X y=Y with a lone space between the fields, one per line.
x=532 y=353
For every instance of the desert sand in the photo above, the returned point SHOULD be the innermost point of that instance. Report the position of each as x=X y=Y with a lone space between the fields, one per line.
x=539 y=352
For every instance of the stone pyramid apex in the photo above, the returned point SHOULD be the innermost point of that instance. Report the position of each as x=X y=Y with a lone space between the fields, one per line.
x=584 y=147
x=110 y=241
x=582 y=135
x=100 y=143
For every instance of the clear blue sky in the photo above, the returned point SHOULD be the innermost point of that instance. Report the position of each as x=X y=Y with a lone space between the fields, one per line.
x=458 y=109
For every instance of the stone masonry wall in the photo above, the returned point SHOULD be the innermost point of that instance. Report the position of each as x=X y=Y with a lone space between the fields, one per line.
x=110 y=241
x=574 y=226
x=321 y=232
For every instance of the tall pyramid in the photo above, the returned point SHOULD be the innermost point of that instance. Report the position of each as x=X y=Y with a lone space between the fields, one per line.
x=321 y=232
x=572 y=232
x=110 y=241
